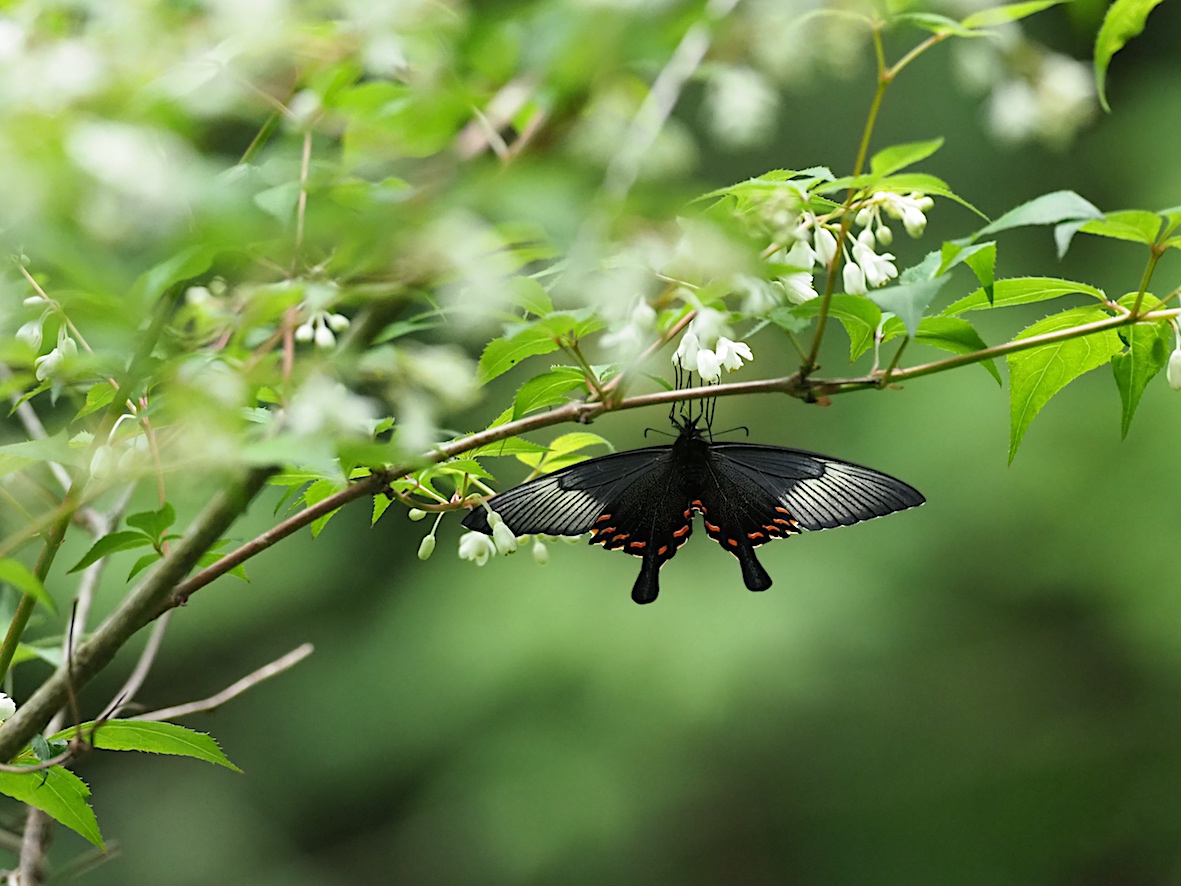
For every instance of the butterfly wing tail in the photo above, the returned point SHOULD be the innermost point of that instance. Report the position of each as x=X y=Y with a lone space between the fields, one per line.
x=754 y=576
x=647 y=584
x=477 y=521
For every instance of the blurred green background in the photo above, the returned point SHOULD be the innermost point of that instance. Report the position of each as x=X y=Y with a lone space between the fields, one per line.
x=985 y=690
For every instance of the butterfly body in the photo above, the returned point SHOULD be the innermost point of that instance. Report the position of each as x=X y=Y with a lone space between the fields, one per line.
x=644 y=501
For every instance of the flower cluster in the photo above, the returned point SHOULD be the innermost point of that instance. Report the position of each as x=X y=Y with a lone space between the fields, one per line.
x=693 y=354
x=51 y=364
x=320 y=327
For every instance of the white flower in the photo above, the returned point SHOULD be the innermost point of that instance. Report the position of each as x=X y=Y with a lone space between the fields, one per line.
x=49 y=364
x=477 y=547
x=7 y=707
x=732 y=353
x=877 y=268
x=854 y=279
x=540 y=552
x=709 y=365
x=686 y=355
x=30 y=334
x=322 y=404
x=707 y=325
x=503 y=538
x=324 y=337
x=1173 y=373
x=319 y=328
x=426 y=548
x=825 y=245
x=885 y=235
x=798 y=285
x=36 y=301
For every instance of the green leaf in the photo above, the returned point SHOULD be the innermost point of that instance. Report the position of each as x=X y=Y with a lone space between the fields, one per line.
x=1123 y=21
x=125 y=540
x=153 y=738
x=1136 y=225
x=400 y=328
x=380 y=504
x=908 y=300
x=788 y=320
x=1048 y=209
x=1019 y=291
x=890 y=160
x=186 y=264
x=153 y=523
x=948 y=334
x=1038 y=374
x=1000 y=15
x=19 y=575
x=56 y=448
x=58 y=793
x=980 y=257
x=1147 y=354
x=564 y=451
x=502 y=354
x=143 y=563
x=507 y=446
x=279 y=202
x=211 y=557
x=937 y=24
x=857 y=314
x=100 y=394
x=527 y=293
x=315 y=494
x=548 y=389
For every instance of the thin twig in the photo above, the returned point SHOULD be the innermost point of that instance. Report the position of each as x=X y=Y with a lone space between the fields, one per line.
x=278 y=666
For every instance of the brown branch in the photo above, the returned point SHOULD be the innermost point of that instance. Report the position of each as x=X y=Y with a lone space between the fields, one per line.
x=278 y=666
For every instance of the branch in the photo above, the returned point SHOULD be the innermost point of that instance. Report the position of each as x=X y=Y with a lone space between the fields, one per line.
x=139 y=607
x=278 y=666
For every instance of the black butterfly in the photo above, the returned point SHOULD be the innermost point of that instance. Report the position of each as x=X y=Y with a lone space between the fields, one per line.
x=642 y=501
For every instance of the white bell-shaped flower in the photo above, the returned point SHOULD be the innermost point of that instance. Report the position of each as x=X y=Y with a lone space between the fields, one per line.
x=477 y=547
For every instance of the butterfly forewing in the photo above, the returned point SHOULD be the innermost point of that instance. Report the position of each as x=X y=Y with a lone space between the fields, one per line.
x=569 y=501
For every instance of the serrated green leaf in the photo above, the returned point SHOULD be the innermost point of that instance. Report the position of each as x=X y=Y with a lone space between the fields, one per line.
x=1038 y=374
x=315 y=494
x=1048 y=209
x=19 y=575
x=124 y=540
x=948 y=334
x=150 y=737
x=1147 y=354
x=908 y=300
x=548 y=389
x=58 y=793
x=527 y=293
x=99 y=395
x=1000 y=15
x=212 y=556
x=380 y=504
x=566 y=450
x=856 y=313
x=890 y=160
x=1123 y=21
x=786 y=319
x=502 y=354
x=153 y=523
x=1020 y=291
x=1136 y=225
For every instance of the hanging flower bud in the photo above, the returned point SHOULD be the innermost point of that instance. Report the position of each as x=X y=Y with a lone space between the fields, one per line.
x=7 y=707
x=31 y=334
x=854 y=279
x=503 y=537
x=540 y=552
x=1173 y=373
x=427 y=547
x=416 y=514
x=825 y=245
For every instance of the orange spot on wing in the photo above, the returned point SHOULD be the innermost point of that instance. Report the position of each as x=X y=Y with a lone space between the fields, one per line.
x=623 y=537
x=604 y=517
x=711 y=527
x=638 y=544
x=783 y=510
x=782 y=522
x=682 y=531
x=732 y=542
x=754 y=535
x=661 y=550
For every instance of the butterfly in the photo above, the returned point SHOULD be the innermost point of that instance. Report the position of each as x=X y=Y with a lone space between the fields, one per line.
x=643 y=501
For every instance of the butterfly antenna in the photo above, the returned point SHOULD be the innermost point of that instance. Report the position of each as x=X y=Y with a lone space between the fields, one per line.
x=654 y=431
